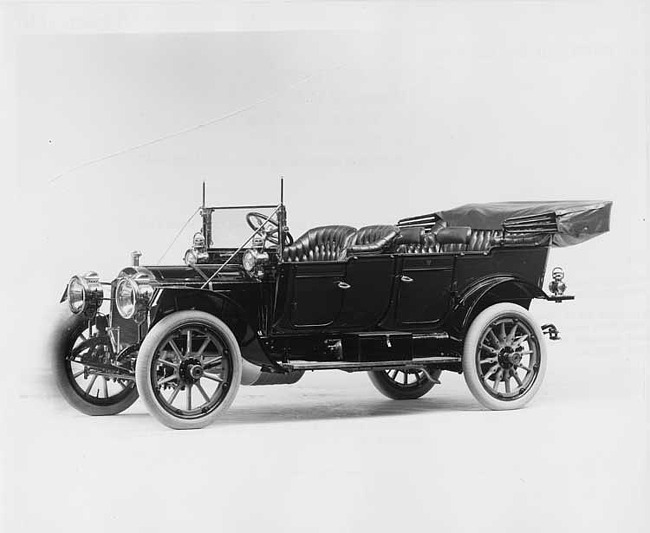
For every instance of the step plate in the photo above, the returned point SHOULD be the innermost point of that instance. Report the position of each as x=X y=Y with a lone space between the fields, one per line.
x=353 y=365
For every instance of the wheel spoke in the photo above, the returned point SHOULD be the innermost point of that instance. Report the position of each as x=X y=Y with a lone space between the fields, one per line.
x=166 y=380
x=518 y=341
x=174 y=394
x=489 y=360
x=188 y=348
x=213 y=377
x=406 y=377
x=92 y=382
x=502 y=332
x=511 y=335
x=188 y=388
x=105 y=387
x=497 y=380
x=516 y=376
x=506 y=380
x=199 y=354
x=494 y=338
x=525 y=352
x=175 y=348
x=524 y=367
x=77 y=374
x=491 y=372
x=169 y=363
x=202 y=391
x=82 y=347
x=215 y=362
x=489 y=349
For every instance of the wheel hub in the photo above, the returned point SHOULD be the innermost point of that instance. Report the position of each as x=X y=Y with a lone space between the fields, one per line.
x=191 y=370
x=508 y=357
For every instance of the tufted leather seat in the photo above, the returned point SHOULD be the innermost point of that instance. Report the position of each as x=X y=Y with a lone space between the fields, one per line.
x=429 y=245
x=326 y=243
x=480 y=241
x=372 y=239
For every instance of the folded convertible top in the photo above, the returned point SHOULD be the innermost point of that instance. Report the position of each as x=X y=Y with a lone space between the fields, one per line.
x=565 y=222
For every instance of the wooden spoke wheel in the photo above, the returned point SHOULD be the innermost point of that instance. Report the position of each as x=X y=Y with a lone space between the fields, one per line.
x=403 y=384
x=83 y=387
x=189 y=369
x=504 y=357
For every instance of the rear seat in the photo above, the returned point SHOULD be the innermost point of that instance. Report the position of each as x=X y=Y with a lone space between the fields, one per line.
x=335 y=243
x=480 y=241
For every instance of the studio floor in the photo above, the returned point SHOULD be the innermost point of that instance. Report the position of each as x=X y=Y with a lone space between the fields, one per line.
x=331 y=454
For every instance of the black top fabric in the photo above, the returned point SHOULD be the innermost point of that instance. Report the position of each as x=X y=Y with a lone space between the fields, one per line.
x=570 y=222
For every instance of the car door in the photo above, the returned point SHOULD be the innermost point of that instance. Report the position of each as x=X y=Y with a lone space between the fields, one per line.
x=423 y=289
x=313 y=296
x=367 y=290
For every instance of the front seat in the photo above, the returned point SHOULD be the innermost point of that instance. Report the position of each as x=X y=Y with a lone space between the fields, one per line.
x=372 y=239
x=326 y=243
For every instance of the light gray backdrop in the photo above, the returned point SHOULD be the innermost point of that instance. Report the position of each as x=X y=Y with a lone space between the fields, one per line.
x=371 y=112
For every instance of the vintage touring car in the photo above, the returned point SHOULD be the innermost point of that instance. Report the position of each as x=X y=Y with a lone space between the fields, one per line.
x=404 y=302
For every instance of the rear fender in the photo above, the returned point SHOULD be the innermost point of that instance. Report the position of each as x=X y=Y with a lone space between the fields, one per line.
x=487 y=292
x=226 y=309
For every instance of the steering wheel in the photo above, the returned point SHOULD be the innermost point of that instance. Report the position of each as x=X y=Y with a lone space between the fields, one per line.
x=257 y=220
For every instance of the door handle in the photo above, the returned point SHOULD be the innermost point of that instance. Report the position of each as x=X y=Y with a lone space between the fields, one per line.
x=343 y=285
x=406 y=279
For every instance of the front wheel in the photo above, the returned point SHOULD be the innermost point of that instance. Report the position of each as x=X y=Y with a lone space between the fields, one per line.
x=188 y=369
x=73 y=349
x=504 y=357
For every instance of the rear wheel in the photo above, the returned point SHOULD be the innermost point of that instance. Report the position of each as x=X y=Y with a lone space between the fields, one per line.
x=188 y=369
x=403 y=384
x=504 y=357
x=81 y=386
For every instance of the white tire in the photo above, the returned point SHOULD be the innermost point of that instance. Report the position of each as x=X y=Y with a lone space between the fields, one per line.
x=504 y=357
x=188 y=369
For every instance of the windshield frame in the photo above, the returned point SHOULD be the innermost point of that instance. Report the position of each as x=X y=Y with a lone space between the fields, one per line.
x=206 y=216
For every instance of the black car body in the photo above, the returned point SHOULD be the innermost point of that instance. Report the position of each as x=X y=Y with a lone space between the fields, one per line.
x=444 y=291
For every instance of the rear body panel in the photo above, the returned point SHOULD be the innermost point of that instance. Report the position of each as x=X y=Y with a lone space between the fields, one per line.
x=397 y=292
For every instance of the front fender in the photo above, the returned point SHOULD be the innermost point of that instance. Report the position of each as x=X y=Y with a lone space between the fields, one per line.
x=490 y=291
x=234 y=315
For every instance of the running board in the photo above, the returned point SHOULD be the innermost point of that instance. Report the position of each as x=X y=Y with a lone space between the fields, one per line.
x=374 y=365
x=438 y=335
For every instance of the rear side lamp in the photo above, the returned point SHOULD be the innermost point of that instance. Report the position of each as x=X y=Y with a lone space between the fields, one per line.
x=557 y=285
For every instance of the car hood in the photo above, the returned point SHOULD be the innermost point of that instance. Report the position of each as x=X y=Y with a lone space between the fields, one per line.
x=185 y=275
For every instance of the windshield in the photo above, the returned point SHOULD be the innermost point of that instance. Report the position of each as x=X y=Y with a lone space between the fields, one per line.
x=221 y=227
x=230 y=228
